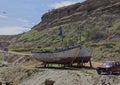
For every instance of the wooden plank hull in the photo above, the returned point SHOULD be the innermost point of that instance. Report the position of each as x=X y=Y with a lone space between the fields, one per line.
x=61 y=61
x=62 y=57
x=58 y=57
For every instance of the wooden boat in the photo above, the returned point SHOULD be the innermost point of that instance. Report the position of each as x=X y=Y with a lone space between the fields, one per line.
x=70 y=55
x=62 y=56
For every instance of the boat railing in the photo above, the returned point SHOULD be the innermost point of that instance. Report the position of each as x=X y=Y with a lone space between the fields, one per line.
x=55 y=50
x=41 y=51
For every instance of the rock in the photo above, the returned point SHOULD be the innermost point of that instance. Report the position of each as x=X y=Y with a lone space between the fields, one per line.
x=5 y=63
x=49 y=82
x=73 y=13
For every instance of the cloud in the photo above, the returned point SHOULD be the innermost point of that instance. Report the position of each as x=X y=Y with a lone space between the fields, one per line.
x=25 y=22
x=17 y=26
x=64 y=3
x=61 y=4
x=3 y=16
x=13 y=30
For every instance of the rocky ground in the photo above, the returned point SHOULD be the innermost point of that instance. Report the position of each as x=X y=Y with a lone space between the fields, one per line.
x=21 y=70
x=70 y=77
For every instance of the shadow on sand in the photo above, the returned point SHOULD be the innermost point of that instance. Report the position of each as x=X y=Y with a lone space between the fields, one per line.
x=66 y=68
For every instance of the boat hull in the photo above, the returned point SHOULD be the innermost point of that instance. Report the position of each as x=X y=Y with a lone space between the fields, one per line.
x=67 y=56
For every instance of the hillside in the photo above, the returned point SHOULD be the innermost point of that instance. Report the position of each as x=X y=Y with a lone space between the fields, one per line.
x=5 y=38
x=82 y=23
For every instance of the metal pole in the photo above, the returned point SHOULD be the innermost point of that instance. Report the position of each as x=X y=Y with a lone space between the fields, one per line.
x=62 y=41
x=80 y=36
x=61 y=29
x=79 y=33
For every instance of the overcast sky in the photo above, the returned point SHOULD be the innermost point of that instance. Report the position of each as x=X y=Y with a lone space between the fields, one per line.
x=17 y=16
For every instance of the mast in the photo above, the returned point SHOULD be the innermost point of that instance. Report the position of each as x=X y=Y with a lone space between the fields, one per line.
x=60 y=29
x=61 y=35
x=79 y=33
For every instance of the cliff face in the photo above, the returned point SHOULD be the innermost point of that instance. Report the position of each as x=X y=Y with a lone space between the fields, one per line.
x=78 y=12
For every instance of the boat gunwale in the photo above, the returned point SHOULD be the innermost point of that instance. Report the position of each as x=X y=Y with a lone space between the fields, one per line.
x=56 y=50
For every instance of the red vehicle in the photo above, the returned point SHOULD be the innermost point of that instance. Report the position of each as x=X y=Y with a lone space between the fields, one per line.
x=109 y=67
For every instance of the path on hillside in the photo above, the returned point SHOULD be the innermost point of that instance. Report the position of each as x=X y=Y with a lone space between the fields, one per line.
x=95 y=64
x=17 y=53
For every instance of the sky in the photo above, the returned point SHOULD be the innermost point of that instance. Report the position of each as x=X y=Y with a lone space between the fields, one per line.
x=18 y=16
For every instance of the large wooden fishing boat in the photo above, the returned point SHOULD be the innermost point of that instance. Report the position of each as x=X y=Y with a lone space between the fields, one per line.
x=68 y=55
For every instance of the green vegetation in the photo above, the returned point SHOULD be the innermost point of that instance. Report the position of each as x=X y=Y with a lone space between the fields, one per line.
x=1 y=57
x=105 y=52
x=86 y=71
x=47 y=39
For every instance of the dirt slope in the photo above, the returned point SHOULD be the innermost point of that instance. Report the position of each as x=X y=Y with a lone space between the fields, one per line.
x=67 y=77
